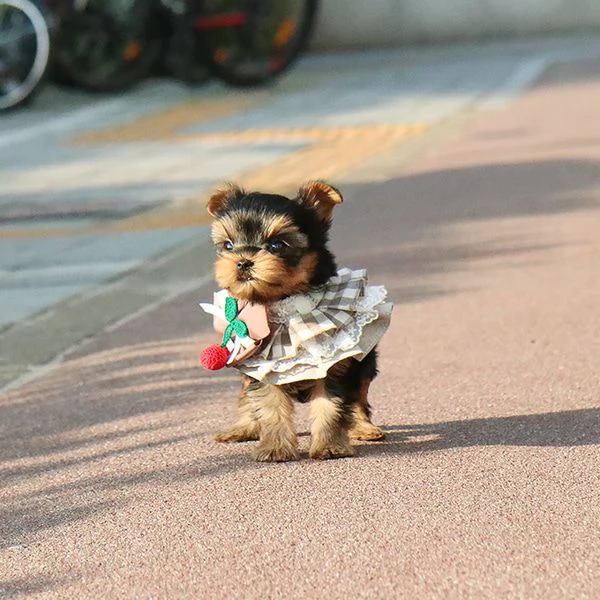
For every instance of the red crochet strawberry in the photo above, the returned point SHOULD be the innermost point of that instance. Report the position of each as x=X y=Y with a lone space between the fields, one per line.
x=214 y=357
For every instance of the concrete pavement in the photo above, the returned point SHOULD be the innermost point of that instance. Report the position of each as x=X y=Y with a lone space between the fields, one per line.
x=484 y=229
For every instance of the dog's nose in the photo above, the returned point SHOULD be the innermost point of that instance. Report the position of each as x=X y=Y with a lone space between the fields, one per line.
x=245 y=265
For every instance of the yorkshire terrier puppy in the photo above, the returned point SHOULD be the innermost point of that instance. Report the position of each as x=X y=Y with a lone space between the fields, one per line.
x=272 y=251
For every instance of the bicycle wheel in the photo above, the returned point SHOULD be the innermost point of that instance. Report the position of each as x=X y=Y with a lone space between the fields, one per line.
x=249 y=42
x=24 y=51
x=107 y=45
x=180 y=57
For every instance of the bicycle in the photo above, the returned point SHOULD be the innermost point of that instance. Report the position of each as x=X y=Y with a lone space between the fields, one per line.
x=24 y=51
x=107 y=45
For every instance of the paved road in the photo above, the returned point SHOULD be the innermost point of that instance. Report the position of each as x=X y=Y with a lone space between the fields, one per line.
x=483 y=226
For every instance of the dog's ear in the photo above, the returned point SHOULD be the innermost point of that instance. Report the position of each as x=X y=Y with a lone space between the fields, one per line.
x=219 y=201
x=320 y=196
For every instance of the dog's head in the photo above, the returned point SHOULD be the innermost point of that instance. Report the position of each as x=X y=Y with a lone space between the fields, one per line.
x=269 y=246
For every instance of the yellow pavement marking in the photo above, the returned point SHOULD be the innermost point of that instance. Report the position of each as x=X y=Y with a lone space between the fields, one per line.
x=328 y=153
x=165 y=125
x=303 y=134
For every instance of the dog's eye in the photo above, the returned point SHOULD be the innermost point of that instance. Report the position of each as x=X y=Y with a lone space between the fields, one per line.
x=228 y=246
x=276 y=245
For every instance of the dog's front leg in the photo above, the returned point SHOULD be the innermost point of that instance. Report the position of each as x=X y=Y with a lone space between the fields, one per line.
x=246 y=427
x=273 y=410
x=331 y=418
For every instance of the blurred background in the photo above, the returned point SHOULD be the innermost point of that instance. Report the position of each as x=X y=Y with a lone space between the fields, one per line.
x=120 y=116
x=356 y=24
x=109 y=45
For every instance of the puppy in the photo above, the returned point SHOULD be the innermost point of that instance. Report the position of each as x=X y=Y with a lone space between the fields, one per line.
x=324 y=323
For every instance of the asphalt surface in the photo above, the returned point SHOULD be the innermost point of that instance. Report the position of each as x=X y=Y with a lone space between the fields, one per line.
x=487 y=485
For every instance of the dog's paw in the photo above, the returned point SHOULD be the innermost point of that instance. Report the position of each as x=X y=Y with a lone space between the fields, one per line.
x=238 y=434
x=275 y=454
x=327 y=452
x=366 y=432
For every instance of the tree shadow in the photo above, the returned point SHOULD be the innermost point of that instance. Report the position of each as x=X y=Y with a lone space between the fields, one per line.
x=414 y=207
x=396 y=229
x=29 y=586
x=556 y=429
x=81 y=441
x=102 y=388
x=27 y=513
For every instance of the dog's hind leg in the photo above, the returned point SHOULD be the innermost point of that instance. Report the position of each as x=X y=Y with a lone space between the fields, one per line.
x=329 y=431
x=362 y=427
x=247 y=427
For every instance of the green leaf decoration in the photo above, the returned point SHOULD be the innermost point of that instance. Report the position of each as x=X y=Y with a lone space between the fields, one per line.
x=231 y=308
x=227 y=334
x=236 y=325
x=241 y=329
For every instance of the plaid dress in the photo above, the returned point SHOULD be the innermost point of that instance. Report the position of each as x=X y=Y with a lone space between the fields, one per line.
x=312 y=332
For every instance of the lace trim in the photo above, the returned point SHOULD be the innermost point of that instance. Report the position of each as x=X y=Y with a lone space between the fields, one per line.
x=324 y=346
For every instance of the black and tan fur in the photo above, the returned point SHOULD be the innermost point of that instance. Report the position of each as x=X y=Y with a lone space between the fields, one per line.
x=270 y=247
